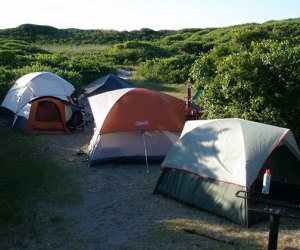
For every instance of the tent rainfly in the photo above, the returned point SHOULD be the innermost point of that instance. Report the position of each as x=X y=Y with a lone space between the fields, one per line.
x=106 y=83
x=132 y=123
x=38 y=102
x=213 y=159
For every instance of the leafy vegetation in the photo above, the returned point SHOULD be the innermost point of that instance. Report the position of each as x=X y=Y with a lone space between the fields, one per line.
x=172 y=70
x=135 y=52
x=258 y=83
x=18 y=58
x=247 y=71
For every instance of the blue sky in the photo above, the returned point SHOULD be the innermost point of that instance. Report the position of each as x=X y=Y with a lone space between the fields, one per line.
x=136 y=14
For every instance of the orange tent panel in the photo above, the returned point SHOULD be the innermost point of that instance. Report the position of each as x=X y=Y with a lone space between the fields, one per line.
x=47 y=114
x=135 y=110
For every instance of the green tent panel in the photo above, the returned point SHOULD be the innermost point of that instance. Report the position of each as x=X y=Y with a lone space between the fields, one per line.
x=202 y=193
x=213 y=159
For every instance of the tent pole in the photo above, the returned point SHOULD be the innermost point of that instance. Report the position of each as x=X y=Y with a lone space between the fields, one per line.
x=146 y=157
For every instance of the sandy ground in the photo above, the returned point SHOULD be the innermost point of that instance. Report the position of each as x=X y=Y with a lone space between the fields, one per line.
x=118 y=208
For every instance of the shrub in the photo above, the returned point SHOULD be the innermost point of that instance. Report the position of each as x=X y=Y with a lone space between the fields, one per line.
x=166 y=70
x=135 y=52
x=259 y=83
x=192 y=47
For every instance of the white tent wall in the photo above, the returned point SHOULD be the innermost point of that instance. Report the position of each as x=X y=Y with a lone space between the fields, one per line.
x=17 y=98
x=129 y=146
x=35 y=85
x=101 y=106
x=24 y=80
x=24 y=112
x=23 y=115
x=52 y=85
x=190 y=125
x=45 y=83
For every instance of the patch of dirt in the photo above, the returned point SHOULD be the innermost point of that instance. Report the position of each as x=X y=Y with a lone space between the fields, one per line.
x=118 y=208
x=123 y=73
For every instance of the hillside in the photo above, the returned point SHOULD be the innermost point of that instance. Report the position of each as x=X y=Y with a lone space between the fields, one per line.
x=46 y=34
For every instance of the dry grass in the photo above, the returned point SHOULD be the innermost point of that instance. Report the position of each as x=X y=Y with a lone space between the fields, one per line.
x=75 y=49
x=211 y=232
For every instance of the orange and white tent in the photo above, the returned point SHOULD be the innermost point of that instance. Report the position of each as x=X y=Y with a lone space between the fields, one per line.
x=132 y=123
x=38 y=102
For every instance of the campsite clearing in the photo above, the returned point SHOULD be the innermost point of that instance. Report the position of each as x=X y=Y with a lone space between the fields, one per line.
x=112 y=206
x=117 y=210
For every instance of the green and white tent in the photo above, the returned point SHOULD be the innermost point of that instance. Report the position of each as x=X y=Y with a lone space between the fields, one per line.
x=214 y=159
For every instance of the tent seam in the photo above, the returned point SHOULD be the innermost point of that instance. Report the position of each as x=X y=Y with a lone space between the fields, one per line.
x=204 y=177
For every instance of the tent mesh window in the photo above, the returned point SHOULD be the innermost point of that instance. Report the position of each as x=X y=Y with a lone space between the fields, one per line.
x=47 y=112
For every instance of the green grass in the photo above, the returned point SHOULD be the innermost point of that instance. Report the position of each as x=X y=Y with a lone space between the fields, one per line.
x=29 y=179
x=177 y=90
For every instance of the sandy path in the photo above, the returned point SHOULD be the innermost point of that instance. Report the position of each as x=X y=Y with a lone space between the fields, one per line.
x=118 y=208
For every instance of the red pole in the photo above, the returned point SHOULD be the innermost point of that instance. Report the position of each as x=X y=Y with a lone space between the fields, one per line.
x=189 y=87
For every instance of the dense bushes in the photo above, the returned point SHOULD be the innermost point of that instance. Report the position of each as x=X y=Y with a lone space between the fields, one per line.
x=166 y=70
x=135 y=52
x=248 y=71
x=18 y=58
x=192 y=47
x=259 y=83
